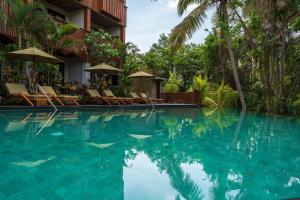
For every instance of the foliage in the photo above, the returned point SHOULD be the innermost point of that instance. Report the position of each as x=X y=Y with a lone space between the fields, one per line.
x=101 y=45
x=187 y=62
x=26 y=17
x=296 y=105
x=224 y=96
x=200 y=84
x=49 y=74
x=173 y=83
x=214 y=96
x=52 y=36
x=159 y=58
x=133 y=60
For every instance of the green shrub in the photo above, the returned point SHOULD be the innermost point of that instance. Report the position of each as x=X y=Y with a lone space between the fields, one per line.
x=200 y=84
x=209 y=102
x=296 y=105
x=224 y=96
x=173 y=83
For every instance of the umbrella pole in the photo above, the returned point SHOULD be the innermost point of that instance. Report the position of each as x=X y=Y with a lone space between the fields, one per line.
x=33 y=75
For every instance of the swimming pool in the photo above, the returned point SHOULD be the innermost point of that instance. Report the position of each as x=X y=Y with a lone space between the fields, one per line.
x=135 y=154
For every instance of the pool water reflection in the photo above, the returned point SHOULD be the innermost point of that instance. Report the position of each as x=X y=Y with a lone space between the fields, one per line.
x=177 y=154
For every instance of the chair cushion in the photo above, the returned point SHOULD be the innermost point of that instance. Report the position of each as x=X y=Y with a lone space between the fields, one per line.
x=93 y=93
x=68 y=97
x=108 y=93
x=134 y=95
x=49 y=90
x=13 y=88
x=144 y=95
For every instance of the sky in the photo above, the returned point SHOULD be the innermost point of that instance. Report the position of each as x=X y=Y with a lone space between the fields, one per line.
x=148 y=19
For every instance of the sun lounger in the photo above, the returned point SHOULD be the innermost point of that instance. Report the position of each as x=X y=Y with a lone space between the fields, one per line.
x=137 y=98
x=124 y=100
x=19 y=91
x=144 y=96
x=61 y=99
x=97 y=98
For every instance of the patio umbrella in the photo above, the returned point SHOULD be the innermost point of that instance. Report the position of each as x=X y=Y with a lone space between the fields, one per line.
x=34 y=55
x=141 y=75
x=104 y=68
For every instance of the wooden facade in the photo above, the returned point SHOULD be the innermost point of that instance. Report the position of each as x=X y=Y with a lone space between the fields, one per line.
x=182 y=97
x=112 y=13
x=113 y=8
x=5 y=31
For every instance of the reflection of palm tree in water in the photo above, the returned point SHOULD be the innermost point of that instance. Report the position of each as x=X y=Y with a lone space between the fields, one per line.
x=182 y=182
x=169 y=161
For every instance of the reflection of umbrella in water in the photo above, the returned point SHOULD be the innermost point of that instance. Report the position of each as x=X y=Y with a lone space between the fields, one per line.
x=34 y=55
x=139 y=137
x=141 y=75
x=99 y=146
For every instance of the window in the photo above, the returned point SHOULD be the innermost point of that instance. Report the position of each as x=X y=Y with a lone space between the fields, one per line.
x=56 y=15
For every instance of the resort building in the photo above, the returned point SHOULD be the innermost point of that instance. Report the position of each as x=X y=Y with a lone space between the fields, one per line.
x=109 y=15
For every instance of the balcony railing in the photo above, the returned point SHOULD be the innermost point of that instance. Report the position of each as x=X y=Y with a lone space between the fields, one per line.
x=114 y=8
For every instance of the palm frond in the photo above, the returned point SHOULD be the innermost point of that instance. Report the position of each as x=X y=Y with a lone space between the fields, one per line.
x=67 y=29
x=24 y=14
x=184 y=4
x=188 y=26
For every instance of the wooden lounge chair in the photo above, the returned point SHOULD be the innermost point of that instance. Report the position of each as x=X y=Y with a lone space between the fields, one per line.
x=61 y=99
x=124 y=100
x=145 y=96
x=97 y=98
x=19 y=91
x=137 y=98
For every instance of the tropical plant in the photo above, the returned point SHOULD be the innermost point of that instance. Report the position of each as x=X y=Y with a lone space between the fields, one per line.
x=26 y=16
x=194 y=20
x=133 y=60
x=296 y=105
x=53 y=36
x=224 y=96
x=101 y=45
x=200 y=84
x=159 y=58
x=173 y=83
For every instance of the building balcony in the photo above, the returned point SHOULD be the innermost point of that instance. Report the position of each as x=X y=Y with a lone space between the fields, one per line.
x=6 y=32
x=115 y=9
x=112 y=8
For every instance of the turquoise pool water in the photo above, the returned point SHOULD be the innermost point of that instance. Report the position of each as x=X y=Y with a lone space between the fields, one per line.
x=134 y=155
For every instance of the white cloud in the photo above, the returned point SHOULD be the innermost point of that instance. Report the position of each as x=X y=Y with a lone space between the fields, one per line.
x=172 y=4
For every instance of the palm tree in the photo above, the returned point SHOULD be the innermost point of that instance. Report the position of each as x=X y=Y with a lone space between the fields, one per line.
x=53 y=35
x=23 y=19
x=194 y=20
x=25 y=16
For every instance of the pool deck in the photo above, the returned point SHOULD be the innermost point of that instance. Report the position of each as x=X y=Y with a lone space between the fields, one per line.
x=96 y=107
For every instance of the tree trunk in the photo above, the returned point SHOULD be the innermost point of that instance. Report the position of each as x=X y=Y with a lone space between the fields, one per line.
x=281 y=72
x=222 y=48
x=235 y=74
x=231 y=55
x=20 y=41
